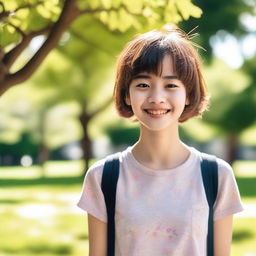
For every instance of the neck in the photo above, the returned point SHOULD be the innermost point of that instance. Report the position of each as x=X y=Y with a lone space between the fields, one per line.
x=160 y=149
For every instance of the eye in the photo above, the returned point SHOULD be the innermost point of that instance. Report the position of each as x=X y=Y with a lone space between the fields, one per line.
x=172 y=85
x=141 y=85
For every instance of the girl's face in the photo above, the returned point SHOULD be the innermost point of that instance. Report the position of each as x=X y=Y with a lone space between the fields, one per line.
x=157 y=102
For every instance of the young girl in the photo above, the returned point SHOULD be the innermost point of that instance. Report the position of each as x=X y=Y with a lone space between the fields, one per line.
x=161 y=206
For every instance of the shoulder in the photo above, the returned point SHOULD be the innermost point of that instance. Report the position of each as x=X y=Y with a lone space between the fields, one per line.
x=225 y=172
x=224 y=168
x=96 y=169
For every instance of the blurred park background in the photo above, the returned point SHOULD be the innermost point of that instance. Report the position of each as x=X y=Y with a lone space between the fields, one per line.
x=57 y=60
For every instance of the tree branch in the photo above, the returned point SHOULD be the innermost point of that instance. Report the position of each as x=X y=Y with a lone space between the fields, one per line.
x=5 y=13
x=17 y=29
x=1 y=4
x=15 y=52
x=69 y=13
x=25 y=6
x=105 y=105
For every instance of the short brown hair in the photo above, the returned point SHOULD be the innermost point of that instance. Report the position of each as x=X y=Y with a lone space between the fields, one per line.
x=145 y=54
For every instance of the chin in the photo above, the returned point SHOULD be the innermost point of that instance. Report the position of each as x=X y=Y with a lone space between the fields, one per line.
x=158 y=127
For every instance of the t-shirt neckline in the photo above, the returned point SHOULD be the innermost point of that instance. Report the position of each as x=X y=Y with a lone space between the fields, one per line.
x=149 y=171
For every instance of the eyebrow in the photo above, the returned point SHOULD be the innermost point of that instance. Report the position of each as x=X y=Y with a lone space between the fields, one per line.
x=148 y=77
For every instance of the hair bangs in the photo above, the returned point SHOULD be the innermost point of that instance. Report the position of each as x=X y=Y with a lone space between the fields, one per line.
x=150 y=60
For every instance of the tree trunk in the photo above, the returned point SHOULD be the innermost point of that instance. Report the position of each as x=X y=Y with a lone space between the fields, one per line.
x=86 y=143
x=43 y=156
x=232 y=147
x=43 y=152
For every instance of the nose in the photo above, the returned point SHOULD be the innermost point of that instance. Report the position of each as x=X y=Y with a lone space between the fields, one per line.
x=156 y=96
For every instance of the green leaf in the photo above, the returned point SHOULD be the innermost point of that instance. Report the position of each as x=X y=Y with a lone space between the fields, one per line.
x=15 y=21
x=10 y=5
x=43 y=11
x=171 y=13
x=106 y=3
x=125 y=20
x=116 y=3
x=113 y=20
x=156 y=3
x=134 y=6
x=187 y=9
x=136 y=24
x=147 y=12
x=51 y=4
x=103 y=16
x=34 y=21
x=94 y=3
x=196 y=12
x=151 y=15
x=6 y=37
x=53 y=7
x=153 y=18
x=10 y=29
x=22 y=13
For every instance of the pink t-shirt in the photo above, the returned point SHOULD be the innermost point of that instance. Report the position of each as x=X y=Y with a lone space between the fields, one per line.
x=160 y=212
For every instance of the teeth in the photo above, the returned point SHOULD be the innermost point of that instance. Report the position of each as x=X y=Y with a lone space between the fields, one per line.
x=157 y=112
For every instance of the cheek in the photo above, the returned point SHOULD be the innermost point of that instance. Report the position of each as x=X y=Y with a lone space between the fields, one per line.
x=179 y=97
x=137 y=97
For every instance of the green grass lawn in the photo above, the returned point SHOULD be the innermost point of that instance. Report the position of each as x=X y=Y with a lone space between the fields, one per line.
x=244 y=237
x=38 y=216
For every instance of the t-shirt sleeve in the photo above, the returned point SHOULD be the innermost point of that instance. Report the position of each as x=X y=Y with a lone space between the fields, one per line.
x=92 y=198
x=228 y=200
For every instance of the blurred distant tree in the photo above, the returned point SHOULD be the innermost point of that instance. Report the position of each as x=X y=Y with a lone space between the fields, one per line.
x=44 y=106
x=219 y=15
x=236 y=113
x=234 y=102
x=231 y=112
x=11 y=154
x=23 y=20
x=82 y=74
x=26 y=111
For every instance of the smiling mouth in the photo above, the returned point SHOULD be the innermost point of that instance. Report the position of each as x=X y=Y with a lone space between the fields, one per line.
x=157 y=112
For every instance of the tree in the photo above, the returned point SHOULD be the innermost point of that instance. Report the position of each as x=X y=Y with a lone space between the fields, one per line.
x=218 y=16
x=219 y=19
x=27 y=126
x=233 y=105
x=26 y=19
x=81 y=76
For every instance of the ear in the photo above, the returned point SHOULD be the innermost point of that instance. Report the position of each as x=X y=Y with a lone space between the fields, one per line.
x=187 y=101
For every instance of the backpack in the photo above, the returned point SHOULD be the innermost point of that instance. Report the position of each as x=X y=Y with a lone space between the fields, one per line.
x=209 y=172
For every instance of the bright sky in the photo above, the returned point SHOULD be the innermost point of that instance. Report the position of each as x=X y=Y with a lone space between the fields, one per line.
x=227 y=48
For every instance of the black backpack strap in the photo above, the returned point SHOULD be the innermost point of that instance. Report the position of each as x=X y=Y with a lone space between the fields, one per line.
x=209 y=170
x=108 y=185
